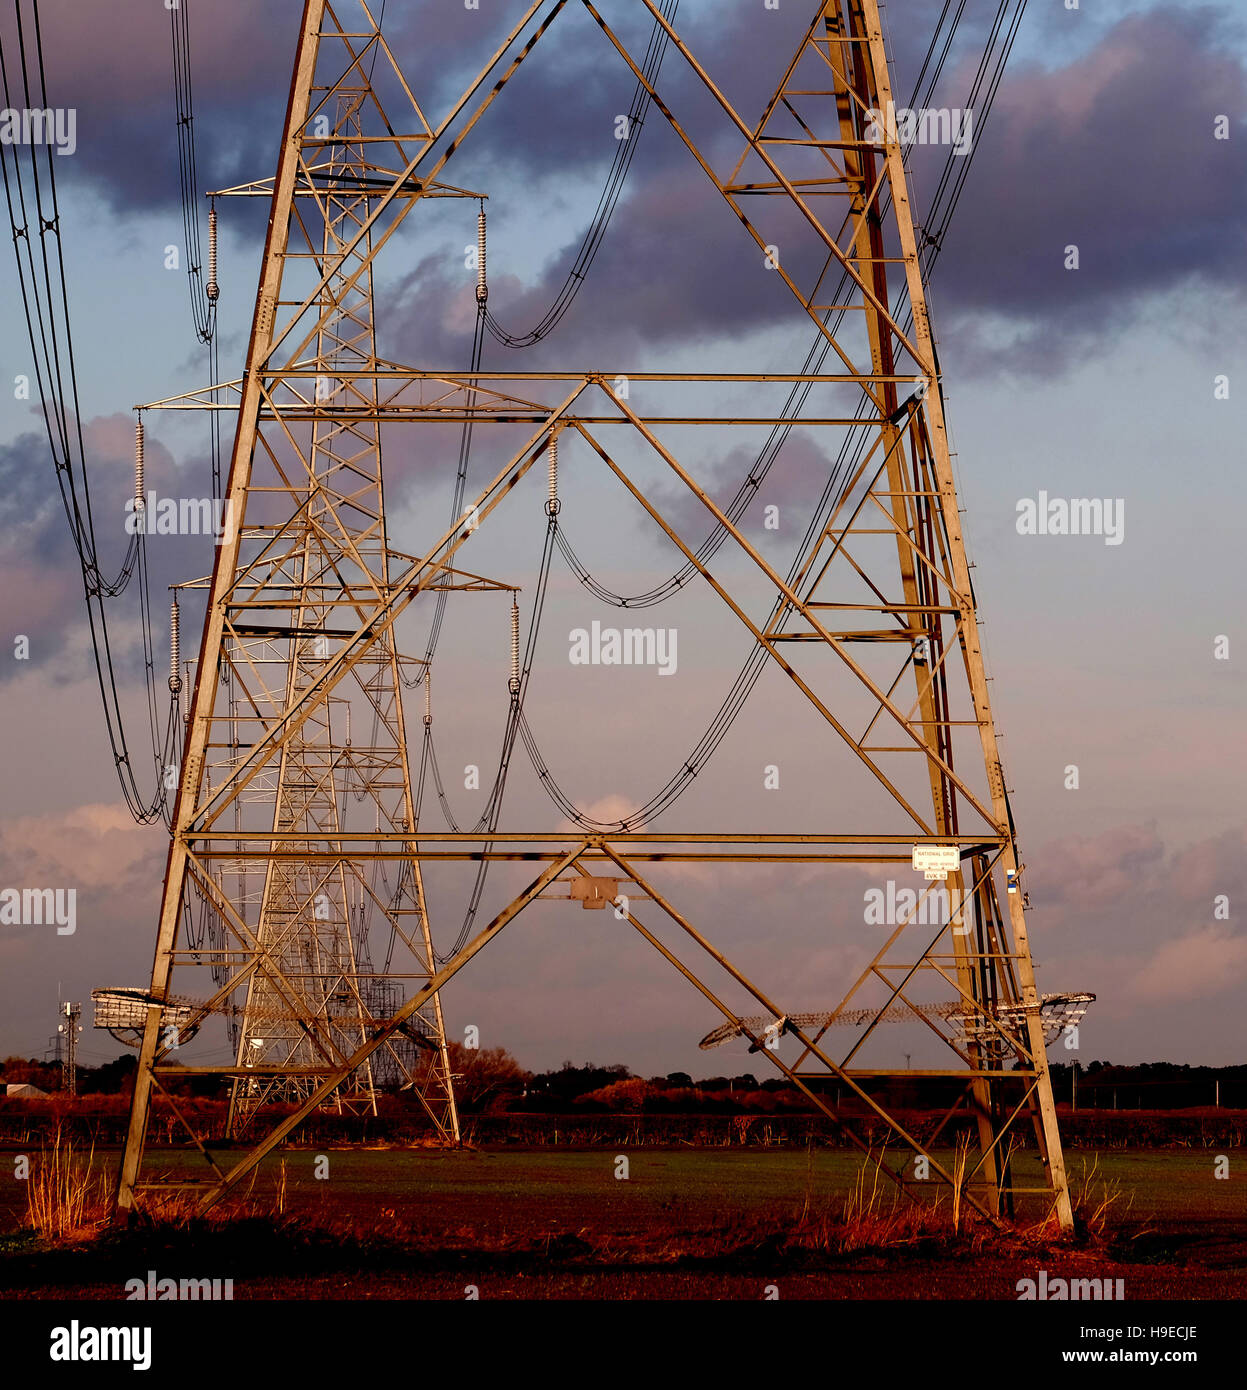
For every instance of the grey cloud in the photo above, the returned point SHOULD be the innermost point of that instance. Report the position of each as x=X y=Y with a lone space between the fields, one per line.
x=1115 y=156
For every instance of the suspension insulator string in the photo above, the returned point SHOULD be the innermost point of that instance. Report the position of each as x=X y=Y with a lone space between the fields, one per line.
x=175 y=648
x=513 y=685
x=140 y=495
x=212 y=289
x=552 y=504
x=482 y=288
x=428 y=697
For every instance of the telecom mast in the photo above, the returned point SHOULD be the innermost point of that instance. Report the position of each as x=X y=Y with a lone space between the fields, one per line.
x=68 y=1036
x=875 y=623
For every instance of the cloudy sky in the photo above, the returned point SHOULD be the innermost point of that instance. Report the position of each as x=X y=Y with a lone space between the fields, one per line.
x=1099 y=382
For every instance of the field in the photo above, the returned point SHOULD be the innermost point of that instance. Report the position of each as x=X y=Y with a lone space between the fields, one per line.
x=683 y=1223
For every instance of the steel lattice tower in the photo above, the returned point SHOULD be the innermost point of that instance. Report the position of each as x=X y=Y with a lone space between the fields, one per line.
x=875 y=625
x=310 y=910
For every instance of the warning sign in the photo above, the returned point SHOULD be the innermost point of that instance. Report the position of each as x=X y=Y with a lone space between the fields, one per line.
x=936 y=861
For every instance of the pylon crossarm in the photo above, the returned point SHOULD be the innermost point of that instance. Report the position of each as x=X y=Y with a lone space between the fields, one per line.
x=501 y=407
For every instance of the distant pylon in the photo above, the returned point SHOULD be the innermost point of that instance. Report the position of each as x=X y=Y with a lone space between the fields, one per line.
x=305 y=552
x=309 y=939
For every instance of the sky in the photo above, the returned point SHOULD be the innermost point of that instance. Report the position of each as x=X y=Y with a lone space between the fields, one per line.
x=1124 y=660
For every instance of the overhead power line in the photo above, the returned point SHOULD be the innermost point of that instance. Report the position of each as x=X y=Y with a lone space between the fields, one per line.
x=29 y=175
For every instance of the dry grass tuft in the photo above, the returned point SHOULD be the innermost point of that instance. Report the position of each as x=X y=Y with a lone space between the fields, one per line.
x=878 y=1216
x=1093 y=1198
x=67 y=1198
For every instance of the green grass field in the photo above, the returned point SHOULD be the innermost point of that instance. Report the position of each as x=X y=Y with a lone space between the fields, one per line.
x=529 y=1189
x=682 y=1223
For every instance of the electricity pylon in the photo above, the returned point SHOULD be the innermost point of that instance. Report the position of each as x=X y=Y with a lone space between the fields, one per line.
x=875 y=624
x=308 y=937
x=305 y=553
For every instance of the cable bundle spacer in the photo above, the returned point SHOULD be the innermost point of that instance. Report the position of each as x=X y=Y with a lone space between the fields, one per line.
x=482 y=288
